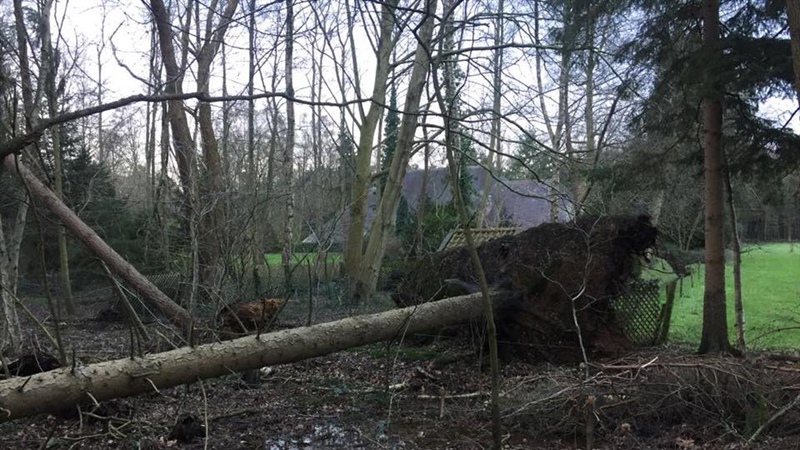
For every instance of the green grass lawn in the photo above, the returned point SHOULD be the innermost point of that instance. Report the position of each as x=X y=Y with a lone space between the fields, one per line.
x=770 y=294
x=275 y=258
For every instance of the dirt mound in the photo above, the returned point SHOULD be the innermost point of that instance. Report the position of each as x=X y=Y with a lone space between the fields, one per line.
x=553 y=270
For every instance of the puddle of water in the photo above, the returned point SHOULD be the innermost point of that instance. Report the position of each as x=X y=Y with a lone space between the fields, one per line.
x=326 y=436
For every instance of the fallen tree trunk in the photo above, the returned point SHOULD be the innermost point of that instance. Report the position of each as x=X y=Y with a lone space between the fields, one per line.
x=560 y=274
x=122 y=268
x=64 y=388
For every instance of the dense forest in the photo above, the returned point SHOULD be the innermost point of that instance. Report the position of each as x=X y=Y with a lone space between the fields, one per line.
x=269 y=149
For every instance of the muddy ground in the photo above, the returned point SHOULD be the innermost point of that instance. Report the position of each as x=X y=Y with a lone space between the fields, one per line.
x=432 y=396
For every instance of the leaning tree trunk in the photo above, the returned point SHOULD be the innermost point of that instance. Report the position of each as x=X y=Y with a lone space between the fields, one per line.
x=85 y=234
x=64 y=388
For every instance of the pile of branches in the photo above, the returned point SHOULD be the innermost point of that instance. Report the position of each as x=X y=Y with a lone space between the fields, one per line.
x=558 y=274
x=674 y=398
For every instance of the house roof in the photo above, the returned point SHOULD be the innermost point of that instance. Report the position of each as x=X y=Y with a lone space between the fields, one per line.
x=458 y=237
x=520 y=203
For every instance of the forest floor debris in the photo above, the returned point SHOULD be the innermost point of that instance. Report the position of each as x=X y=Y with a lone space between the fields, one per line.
x=432 y=397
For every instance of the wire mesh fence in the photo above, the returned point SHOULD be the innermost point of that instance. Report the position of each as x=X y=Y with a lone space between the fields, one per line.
x=318 y=294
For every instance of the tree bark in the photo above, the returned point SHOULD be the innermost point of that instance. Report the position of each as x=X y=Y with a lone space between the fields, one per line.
x=63 y=388
x=162 y=192
x=581 y=183
x=714 y=338
x=85 y=234
x=288 y=150
x=793 y=11
x=10 y=331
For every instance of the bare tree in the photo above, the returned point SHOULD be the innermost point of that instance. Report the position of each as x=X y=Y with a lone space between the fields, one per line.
x=495 y=138
x=288 y=151
x=53 y=92
x=10 y=333
x=213 y=218
x=353 y=255
x=383 y=223
x=447 y=105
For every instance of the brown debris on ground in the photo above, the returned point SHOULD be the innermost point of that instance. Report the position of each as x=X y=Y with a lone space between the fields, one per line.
x=434 y=397
x=547 y=268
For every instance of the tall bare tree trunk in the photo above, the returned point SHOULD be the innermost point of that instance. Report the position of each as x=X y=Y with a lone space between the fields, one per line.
x=586 y=160
x=559 y=134
x=353 y=253
x=252 y=175
x=382 y=225
x=714 y=338
x=151 y=119
x=181 y=135
x=101 y=153
x=736 y=245
x=212 y=221
x=275 y=130
x=162 y=191
x=494 y=138
x=419 y=232
x=288 y=150
x=10 y=331
x=50 y=65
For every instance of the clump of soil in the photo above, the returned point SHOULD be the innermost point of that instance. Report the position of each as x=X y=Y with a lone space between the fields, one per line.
x=552 y=270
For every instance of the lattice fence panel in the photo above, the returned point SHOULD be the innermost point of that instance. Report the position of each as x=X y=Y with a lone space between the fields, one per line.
x=640 y=312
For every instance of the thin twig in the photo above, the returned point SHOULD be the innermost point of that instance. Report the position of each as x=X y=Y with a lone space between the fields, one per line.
x=775 y=417
x=31 y=316
x=205 y=413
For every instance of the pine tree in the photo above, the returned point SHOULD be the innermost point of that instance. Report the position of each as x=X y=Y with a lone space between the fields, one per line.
x=390 y=135
x=736 y=58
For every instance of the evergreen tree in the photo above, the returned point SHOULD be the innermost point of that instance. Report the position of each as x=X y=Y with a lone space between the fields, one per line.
x=389 y=135
x=90 y=191
x=755 y=65
x=453 y=79
x=726 y=58
x=532 y=161
x=346 y=150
